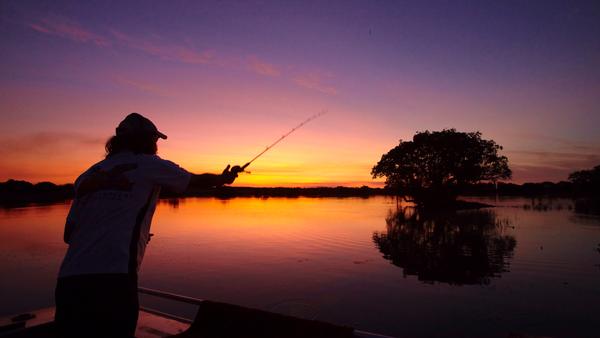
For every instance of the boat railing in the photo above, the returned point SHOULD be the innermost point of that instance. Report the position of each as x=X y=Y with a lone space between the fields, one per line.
x=169 y=296
x=197 y=301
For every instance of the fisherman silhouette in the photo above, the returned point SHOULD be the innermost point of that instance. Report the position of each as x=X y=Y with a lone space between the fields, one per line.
x=107 y=230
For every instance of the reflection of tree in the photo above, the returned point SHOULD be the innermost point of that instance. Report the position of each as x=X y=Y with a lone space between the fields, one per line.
x=173 y=202
x=548 y=204
x=598 y=249
x=588 y=206
x=463 y=247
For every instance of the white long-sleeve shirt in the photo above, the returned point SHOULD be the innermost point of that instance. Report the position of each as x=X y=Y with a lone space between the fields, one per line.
x=110 y=227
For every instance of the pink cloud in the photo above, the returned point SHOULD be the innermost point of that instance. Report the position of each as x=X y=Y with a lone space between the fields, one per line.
x=314 y=80
x=145 y=87
x=45 y=142
x=72 y=31
x=191 y=56
x=561 y=142
x=69 y=30
x=561 y=157
x=168 y=52
x=177 y=52
x=263 y=68
x=547 y=165
x=538 y=173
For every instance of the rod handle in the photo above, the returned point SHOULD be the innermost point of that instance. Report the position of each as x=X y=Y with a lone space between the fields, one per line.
x=237 y=169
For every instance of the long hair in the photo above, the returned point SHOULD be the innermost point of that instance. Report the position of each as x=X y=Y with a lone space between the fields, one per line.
x=138 y=144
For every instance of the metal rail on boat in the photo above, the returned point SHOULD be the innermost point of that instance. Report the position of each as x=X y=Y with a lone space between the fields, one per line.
x=196 y=301
x=169 y=295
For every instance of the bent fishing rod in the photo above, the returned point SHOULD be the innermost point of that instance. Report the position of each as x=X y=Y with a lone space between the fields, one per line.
x=237 y=169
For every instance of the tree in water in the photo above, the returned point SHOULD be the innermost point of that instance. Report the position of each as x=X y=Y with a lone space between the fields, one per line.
x=462 y=247
x=587 y=181
x=433 y=165
x=586 y=186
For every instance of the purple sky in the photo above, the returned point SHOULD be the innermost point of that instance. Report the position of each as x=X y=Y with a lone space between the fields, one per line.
x=224 y=79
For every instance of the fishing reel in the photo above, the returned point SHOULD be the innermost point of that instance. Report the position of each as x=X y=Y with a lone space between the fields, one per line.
x=237 y=169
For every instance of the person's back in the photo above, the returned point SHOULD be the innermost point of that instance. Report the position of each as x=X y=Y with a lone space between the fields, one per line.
x=113 y=223
x=107 y=230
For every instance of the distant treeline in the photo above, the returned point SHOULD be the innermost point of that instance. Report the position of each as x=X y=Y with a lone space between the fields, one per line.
x=562 y=188
x=14 y=192
x=227 y=191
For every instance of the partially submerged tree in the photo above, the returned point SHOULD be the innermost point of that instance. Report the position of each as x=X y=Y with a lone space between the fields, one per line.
x=586 y=180
x=431 y=166
x=586 y=186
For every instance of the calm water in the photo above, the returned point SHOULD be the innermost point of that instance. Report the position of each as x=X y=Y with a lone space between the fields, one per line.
x=361 y=262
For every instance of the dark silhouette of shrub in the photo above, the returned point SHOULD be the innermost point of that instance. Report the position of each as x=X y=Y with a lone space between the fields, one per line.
x=586 y=181
x=433 y=165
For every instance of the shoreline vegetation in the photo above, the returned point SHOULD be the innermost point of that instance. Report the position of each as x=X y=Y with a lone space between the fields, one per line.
x=20 y=193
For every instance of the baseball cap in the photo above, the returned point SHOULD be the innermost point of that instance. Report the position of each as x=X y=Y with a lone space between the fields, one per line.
x=136 y=124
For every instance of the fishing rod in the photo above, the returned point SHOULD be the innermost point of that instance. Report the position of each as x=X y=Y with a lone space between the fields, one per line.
x=237 y=169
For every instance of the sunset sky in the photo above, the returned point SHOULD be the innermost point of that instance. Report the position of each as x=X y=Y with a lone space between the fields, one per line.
x=224 y=79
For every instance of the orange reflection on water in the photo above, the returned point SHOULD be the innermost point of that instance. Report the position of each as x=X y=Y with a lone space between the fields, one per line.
x=287 y=223
x=248 y=249
x=270 y=216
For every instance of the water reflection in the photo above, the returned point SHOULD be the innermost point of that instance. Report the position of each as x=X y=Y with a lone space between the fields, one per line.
x=581 y=205
x=598 y=250
x=315 y=257
x=548 y=204
x=174 y=202
x=588 y=206
x=464 y=247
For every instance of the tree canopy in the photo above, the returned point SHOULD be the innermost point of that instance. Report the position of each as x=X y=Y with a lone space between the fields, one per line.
x=433 y=163
x=586 y=180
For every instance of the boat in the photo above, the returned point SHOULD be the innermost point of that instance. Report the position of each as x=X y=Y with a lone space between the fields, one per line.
x=212 y=320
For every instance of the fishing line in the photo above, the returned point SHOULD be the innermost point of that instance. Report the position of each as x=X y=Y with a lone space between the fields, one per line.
x=315 y=116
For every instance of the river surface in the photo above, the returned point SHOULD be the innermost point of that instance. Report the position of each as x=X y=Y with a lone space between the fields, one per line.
x=526 y=266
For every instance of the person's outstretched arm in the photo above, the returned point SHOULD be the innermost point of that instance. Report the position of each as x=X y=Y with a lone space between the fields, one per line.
x=206 y=181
